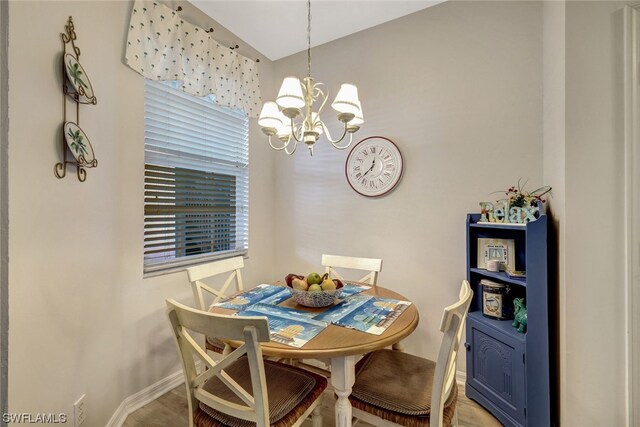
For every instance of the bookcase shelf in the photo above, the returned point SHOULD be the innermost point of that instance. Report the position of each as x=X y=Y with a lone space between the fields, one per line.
x=497 y=226
x=503 y=326
x=502 y=276
x=508 y=372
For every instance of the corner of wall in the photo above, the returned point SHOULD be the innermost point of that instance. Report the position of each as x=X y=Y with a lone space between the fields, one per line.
x=4 y=217
x=554 y=127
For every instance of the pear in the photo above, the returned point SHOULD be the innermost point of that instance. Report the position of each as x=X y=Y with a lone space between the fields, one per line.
x=328 y=285
x=290 y=278
x=299 y=284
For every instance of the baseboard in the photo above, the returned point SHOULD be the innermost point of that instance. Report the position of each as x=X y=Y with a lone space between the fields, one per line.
x=119 y=416
x=145 y=396
x=461 y=377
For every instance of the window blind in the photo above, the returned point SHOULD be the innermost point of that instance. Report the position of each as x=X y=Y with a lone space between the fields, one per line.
x=196 y=179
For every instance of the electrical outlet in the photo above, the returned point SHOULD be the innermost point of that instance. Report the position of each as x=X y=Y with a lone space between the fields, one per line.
x=79 y=411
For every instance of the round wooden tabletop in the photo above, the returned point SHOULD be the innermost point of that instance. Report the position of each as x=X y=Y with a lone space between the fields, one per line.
x=337 y=341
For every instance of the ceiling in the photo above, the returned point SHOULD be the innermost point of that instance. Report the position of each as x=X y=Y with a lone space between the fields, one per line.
x=278 y=28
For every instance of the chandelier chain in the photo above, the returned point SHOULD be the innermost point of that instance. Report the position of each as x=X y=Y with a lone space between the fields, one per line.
x=297 y=98
x=308 y=38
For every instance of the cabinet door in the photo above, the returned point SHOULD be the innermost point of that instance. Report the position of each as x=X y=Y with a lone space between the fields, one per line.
x=495 y=368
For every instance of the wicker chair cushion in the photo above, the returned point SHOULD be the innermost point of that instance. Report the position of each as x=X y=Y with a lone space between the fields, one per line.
x=215 y=345
x=397 y=387
x=291 y=391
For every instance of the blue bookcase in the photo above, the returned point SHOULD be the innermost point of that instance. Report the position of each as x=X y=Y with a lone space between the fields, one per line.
x=509 y=372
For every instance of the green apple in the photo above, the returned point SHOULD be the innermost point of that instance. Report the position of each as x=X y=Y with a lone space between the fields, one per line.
x=315 y=288
x=314 y=279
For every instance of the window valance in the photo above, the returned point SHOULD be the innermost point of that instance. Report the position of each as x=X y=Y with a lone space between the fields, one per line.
x=163 y=46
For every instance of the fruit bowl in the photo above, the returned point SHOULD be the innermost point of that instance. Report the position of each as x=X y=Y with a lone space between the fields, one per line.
x=313 y=298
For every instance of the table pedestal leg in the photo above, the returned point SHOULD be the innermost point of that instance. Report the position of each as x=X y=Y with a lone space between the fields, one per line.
x=343 y=375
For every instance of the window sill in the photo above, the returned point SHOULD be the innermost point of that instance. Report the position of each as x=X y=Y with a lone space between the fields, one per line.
x=178 y=266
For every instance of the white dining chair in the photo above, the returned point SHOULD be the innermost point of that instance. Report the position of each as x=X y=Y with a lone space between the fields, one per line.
x=399 y=389
x=203 y=292
x=372 y=265
x=237 y=389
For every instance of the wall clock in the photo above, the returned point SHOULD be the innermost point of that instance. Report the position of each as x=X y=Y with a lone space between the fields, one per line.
x=374 y=166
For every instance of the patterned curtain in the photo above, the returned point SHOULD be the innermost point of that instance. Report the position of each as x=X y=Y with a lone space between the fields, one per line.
x=162 y=46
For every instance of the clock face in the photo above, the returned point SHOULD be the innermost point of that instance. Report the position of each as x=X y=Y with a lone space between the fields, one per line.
x=374 y=166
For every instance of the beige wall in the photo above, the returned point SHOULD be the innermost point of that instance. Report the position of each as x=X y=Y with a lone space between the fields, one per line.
x=459 y=88
x=583 y=160
x=82 y=318
x=4 y=212
x=594 y=256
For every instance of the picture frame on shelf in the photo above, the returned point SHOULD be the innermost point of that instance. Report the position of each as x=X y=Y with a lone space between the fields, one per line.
x=502 y=250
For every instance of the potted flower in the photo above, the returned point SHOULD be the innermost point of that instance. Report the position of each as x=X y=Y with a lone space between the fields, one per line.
x=520 y=198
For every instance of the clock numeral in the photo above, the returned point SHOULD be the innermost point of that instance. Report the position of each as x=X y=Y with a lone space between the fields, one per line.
x=387 y=174
x=364 y=181
x=357 y=168
x=373 y=150
x=372 y=184
x=359 y=159
x=365 y=152
x=386 y=157
x=390 y=166
x=381 y=181
x=358 y=175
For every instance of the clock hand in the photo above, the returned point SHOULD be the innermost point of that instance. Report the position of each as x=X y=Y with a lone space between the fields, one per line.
x=371 y=168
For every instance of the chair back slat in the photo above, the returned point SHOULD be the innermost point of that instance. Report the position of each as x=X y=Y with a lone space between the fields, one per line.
x=237 y=389
x=452 y=326
x=259 y=380
x=200 y=272
x=214 y=268
x=372 y=265
x=250 y=330
x=214 y=368
x=204 y=357
x=235 y=410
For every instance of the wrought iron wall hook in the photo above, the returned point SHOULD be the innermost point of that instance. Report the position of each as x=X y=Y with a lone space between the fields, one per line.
x=70 y=36
x=74 y=77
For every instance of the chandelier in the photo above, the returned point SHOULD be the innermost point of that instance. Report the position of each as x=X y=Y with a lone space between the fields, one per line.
x=296 y=99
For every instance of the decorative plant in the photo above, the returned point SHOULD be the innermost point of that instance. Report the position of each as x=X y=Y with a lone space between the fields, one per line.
x=78 y=143
x=76 y=74
x=519 y=197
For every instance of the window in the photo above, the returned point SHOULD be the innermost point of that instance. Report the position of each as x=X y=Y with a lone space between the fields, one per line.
x=196 y=179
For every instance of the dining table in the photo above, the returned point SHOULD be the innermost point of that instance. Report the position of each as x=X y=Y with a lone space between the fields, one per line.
x=341 y=345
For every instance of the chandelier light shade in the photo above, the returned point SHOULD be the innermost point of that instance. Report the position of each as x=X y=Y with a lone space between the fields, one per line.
x=347 y=101
x=284 y=130
x=270 y=116
x=359 y=117
x=292 y=119
x=290 y=95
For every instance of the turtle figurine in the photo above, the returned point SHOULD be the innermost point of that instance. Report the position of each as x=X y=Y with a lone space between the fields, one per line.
x=520 y=315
